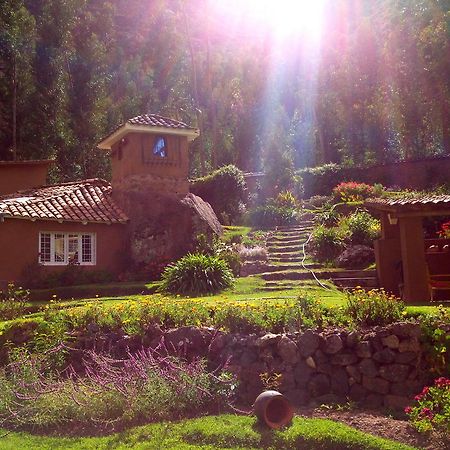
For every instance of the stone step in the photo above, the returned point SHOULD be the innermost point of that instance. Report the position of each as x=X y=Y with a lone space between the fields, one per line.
x=285 y=248
x=296 y=266
x=322 y=274
x=286 y=239
x=369 y=282
x=276 y=255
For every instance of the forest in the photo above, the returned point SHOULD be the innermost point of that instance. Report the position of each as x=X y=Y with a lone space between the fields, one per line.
x=367 y=82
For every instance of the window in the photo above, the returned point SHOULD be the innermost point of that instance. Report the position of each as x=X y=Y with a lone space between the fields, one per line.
x=160 y=147
x=67 y=248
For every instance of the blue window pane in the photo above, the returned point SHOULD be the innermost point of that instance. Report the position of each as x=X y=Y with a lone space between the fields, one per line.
x=159 y=149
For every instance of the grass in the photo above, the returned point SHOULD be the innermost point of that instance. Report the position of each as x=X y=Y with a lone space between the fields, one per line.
x=213 y=432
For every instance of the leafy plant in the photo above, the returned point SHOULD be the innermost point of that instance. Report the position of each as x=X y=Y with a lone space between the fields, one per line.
x=286 y=199
x=271 y=215
x=362 y=228
x=327 y=243
x=197 y=274
x=374 y=307
x=432 y=408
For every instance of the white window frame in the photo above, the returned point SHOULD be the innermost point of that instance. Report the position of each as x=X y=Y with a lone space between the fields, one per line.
x=66 y=235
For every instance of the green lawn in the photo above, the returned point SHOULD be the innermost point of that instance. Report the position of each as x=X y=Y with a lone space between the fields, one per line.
x=212 y=432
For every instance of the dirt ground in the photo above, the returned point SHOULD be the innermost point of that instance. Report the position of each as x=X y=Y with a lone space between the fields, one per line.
x=380 y=425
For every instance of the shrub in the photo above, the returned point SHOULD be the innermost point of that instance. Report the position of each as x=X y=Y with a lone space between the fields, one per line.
x=432 y=408
x=285 y=199
x=318 y=201
x=224 y=189
x=444 y=232
x=271 y=215
x=362 y=227
x=356 y=257
x=375 y=307
x=197 y=274
x=13 y=302
x=352 y=191
x=257 y=253
x=107 y=393
x=327 y=243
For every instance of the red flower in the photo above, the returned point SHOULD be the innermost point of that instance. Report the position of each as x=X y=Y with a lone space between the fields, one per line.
x=408 y=410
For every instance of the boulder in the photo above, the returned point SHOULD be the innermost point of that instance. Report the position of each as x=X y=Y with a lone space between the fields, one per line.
x=308 y=343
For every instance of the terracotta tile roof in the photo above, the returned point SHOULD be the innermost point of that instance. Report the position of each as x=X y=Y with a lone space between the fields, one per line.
x=80 y=201
x=413 y=201
x=157 y=121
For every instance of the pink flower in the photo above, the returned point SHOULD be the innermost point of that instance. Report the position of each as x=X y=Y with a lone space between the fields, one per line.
x=408 y=410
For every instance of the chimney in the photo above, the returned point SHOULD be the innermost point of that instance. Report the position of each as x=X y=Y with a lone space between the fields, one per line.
x=20 y=175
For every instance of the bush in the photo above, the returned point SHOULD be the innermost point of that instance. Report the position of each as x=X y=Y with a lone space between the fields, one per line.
x=224 y=189
x=362 y=227
x=252 y=253
x=271 y=215
x=350 y=191
x=374 y=307
x=356 y=257
x=327 y=243
x=285 y=199
x=197 y=274
x=432 y=408
x=13 y=302
x=109 y=394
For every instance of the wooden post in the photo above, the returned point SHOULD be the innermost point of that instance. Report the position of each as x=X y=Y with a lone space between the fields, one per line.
x=413 y=258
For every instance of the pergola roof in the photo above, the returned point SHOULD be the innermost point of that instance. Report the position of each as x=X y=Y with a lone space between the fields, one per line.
x=412 y=204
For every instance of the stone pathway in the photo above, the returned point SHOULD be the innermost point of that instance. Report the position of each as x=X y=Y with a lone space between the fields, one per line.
x=285 y=270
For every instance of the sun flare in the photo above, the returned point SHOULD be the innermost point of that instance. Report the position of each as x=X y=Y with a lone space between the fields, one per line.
x=284 y=18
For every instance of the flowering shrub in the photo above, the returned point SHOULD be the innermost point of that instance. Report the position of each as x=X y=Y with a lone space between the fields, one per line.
x=362 y=228
x=351 y=191
x=257 y=253
x=374 y=307
x=432 y=408
x=108 y=394
x=444 y=232
x=327 y=243
x=13 y=302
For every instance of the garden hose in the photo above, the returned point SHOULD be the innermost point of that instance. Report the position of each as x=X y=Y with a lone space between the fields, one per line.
x=303 y=263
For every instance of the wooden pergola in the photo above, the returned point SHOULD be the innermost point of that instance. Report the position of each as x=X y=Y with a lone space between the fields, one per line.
x=401 y=251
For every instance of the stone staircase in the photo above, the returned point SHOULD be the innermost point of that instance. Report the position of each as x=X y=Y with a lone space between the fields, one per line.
x=285 y=270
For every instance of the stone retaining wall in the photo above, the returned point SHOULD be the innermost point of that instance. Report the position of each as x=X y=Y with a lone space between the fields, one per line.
x=378 y=367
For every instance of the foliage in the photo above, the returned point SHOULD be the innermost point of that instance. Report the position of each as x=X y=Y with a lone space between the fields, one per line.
x=362 y=228
x=350 y=191
x=374 y=307
x=13 y=302
x=432 y=408
x=211 y=188
x=196 y=273
x=286 y=199
x=270 y=215
x=327 y=243
x=149 y=385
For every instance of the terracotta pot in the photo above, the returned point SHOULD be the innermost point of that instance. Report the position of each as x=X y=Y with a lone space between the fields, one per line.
x=273 y=409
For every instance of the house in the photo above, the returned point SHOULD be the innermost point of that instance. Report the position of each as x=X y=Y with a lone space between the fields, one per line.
x=146 y=212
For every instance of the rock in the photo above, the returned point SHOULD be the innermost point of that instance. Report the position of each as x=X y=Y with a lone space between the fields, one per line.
x=248 y=357
x=302 y=373
x=406 y=388
x=409 y=345
x=319 y=385
x=218 y=343
x=373 y=401
x=352 y=339
x=394 y=372
x=391 y=341
x=363 y=349
x=357 y=392
x=310 y=362
x=287 y=349
x=339 y=382
x=344 y=359
x=253 y=267
x=375 y=384
x=203 y=211
x=406 y=358
x=396 y=402
x=287 y=381
x=356 y=257
x=298 y=397
x=385 y=356
x=368 y=368
x=191 y=338
x=267 y=339
x=308 y=343
x=406 y=329
x=333 y=343
x=354 y=373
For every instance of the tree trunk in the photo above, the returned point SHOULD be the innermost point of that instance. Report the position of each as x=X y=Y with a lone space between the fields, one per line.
x=14 y=109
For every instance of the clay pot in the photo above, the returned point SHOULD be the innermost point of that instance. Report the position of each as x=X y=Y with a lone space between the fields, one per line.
x=273 y=409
